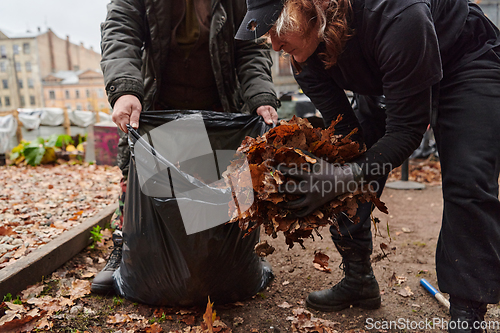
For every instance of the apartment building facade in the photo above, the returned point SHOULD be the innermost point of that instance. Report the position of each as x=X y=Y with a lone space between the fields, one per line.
x=76 y=90
x=27 y=58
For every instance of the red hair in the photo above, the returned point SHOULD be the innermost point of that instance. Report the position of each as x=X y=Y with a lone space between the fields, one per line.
x=333 y=15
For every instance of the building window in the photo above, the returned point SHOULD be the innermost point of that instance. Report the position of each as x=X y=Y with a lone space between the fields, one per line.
x=52 y=94
x=5 y=84
x=77 y=93
x=7 y=101
x=0 y=102
x=76 y=68
x=32 y=100
x=3 y=66
x=66 y=93
x=89 y=107
x=100 y=93
x=68 y=107
x=28 y=66
x=3 y=51
x=15 y=48
x=30 y=83
x=78 y=106
x=23 y=103
x=20 y=83
x=88 y=93
x=26 y=48
x=18 y=66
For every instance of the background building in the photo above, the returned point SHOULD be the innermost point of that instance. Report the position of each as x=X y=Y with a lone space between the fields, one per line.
x=27 y=58
x=491 y=8
x=282 y=73
x=75 y=90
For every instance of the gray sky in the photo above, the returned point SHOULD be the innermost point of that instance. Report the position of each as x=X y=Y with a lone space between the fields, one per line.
x=79 y=19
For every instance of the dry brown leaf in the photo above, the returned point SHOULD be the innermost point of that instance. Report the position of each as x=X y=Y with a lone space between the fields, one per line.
x=32 y=291
x=284 y=305
x=304 y=322
x=405 y=292
x=287 y=145
x=321 y=261
x=79 y=289
x=263 y=249
x=154 y=328
x=209 y=317
x=118 y=318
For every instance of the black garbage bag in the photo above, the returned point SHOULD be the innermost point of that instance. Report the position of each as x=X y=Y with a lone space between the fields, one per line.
x=162 y=264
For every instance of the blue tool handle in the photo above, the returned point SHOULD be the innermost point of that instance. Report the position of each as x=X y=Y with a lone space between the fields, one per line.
x=429 y=287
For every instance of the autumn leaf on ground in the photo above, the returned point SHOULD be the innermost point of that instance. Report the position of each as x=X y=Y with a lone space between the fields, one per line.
x=396 y=280
x=284 y=305
x=79 y=289
x=304 y=322
x=32 y=291
x=17 y=318
x=405 y=292
x=263 y=249
x=321 y=261
x=209 y=317
x=154 y=328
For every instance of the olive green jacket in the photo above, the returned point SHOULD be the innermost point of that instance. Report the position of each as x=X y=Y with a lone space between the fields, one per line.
x=135 y=43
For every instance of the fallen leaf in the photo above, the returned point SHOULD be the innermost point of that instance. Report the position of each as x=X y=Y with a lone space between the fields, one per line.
x=118 y=318
x=284 y=305
x=237 y=321
x=321 y=261
x=32 y=291
x=208 y=317
x=263 y=249
x=154 y=328
x=405 y=292
x=79 y=289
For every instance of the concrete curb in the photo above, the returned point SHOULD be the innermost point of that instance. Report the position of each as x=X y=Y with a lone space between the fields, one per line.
x=45 y=260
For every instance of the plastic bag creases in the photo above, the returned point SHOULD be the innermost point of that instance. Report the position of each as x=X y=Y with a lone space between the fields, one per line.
x=163 y=265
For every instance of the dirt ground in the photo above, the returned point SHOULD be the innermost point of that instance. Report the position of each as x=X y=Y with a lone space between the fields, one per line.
x=410 y=230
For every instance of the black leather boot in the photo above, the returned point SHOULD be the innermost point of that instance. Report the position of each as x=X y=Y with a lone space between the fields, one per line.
x=103 y=282
x=358 y=287
x=466 y=316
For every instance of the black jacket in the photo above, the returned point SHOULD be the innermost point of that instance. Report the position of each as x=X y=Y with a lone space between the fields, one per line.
x=400 y=50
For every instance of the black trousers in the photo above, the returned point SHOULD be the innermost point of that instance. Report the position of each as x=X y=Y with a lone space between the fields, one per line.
x=468 y=138
x=467 y=133
x=370 y=112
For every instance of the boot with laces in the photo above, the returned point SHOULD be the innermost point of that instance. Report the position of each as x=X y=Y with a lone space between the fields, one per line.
x=466 y=316
x=358 y=287
x=103 y=283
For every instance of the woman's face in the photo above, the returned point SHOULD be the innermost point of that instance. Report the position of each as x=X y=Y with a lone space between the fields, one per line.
x=299 y=46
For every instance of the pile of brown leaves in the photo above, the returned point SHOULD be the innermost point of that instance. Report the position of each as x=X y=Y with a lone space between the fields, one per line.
x=40 y=203
x=426 y=171
x=284 y=145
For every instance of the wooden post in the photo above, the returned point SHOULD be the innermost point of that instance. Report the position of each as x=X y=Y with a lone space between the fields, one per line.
x=97 y=116
x=66 y=123
x=19 y=130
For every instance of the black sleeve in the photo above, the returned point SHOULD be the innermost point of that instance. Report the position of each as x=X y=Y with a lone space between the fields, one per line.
x=327 y=96
x=407 y=120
